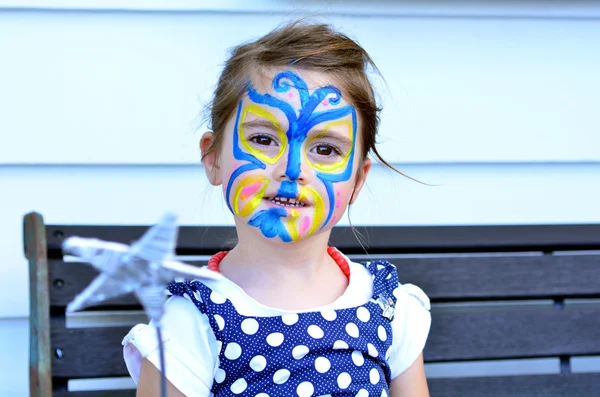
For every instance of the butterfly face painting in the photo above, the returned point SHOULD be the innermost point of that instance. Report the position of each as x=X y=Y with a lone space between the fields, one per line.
x=289 y=161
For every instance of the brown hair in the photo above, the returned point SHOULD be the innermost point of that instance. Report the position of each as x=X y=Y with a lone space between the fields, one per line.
x=303 y=45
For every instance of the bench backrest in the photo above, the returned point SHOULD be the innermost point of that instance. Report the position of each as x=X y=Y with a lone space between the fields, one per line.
x=498 y=293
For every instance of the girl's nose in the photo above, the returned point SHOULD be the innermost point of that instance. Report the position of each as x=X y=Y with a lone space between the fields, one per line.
x=292 y=166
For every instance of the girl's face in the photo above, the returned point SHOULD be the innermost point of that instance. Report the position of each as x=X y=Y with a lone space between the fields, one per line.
x=290 y=157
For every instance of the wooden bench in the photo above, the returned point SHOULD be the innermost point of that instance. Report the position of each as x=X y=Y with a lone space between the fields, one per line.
x=498 y=292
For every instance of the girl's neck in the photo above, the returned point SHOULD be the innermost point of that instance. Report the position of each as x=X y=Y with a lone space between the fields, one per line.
x=295 y=275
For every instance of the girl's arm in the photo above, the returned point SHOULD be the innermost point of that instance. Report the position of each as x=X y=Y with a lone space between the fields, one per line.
x=149 y=382
x=412 y=382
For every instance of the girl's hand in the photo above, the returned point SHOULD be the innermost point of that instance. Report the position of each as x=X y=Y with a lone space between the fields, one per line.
x=412 y=382
x=149 y=382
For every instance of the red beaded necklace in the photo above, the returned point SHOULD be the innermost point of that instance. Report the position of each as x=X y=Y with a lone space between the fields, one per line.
x=215 y=260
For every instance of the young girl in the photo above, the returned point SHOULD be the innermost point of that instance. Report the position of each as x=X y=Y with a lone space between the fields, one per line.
x=283 y=314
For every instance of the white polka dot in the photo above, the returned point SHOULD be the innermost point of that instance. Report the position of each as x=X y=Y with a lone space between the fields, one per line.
x=289 y=319
x=262 y=395
x=358 y=358
x=233 y=351
x=363 y=314
x=281 y=376
x=220 y=322
x=389 y=276
x=239 y=386
x=275 y=339
x=219 y=375
x=362 y=393
x=322 y=365
x=217 y=298
x=315 y=331
x=250 y=326
x=352 y=330
x=388 y=353
x=374 y=376
x=305 y=389
x=379 y=267
x=299 y=352
x=340 y=345
x=381 y=333
x=258 y=363
x=383 y=393
x=329 y=315
x=344 y=380
x=219 y=346
x=372 y=351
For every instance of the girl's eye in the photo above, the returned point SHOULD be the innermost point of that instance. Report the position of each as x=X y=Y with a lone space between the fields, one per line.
x=326 y=150
x=263 y=140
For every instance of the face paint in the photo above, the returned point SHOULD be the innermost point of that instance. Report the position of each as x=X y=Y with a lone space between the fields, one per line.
x=289 y=223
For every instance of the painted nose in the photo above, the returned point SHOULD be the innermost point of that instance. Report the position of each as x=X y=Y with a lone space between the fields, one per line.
x=293 y=169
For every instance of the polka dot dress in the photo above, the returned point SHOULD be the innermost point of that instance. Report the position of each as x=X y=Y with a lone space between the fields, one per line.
x=325 y=353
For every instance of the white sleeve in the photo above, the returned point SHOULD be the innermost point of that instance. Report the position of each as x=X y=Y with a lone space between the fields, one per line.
x=190 y=348
x=410 y=327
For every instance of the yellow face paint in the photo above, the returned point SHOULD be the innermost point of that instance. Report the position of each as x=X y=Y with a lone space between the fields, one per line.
x=265 y=114
x=319 y=207
x=340 y=164
x=292 y=225
x=245 y=189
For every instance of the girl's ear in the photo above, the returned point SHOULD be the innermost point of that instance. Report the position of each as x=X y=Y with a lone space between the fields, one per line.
x=210 y=160
x=361 y=177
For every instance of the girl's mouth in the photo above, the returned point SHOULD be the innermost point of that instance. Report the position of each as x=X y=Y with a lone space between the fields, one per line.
x=286 y=202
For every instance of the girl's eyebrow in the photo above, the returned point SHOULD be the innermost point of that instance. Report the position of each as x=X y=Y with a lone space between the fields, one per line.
x=261 y=123
x=328 y=134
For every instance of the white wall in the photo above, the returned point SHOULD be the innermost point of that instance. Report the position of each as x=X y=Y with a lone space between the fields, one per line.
x=491 y=103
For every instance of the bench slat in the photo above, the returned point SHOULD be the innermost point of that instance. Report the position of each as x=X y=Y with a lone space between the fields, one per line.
x=447 y=278
x=499 y=276
x=96 y=393
x=580 y=385
x=208 y=239
x=514 y=332
x=501 y=333
x=87 y=352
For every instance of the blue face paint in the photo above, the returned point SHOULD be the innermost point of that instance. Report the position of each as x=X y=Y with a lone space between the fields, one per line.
x=288 y=189
x=240 y=155
x=300 y=122
x=270 y=225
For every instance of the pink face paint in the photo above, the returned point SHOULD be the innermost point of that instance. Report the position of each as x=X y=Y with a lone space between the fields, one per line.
x=338 y=194
x=325 y=102
x=333 y=218
x=250 y=190
x=305 y=224
x=338 y=204
x=291 y=94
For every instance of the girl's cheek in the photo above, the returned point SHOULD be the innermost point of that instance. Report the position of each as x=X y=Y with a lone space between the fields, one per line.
x=339 y=205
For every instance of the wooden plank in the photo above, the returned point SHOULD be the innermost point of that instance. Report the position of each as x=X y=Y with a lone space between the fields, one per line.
x=191 y=239
x=514 y=332
x=502 y=277
x=206 y=240
x=67 y=279
x=499 y=333
x=96 y=393
x=78 y=345
x=443 y=279
x=40 y=369
x=579 y=385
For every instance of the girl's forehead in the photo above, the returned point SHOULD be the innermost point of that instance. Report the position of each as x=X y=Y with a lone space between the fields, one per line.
x=262 y=81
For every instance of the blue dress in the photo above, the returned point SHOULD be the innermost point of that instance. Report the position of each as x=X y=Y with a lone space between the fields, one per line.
x=321 y=353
